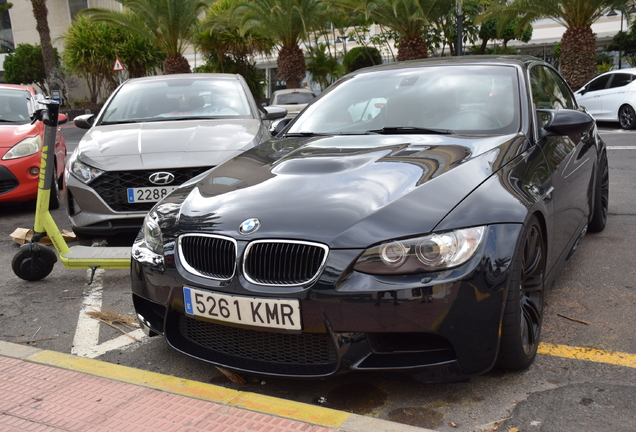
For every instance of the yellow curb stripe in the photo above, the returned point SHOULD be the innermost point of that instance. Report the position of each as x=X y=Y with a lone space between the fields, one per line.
x=589 y=354
x=266 y=404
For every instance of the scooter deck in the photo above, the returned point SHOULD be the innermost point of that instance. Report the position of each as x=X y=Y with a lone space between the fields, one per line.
x=98 y=253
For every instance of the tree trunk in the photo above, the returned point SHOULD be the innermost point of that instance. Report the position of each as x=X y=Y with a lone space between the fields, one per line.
x=412 y=48
x=176 y=64
x=40 y=13
x=484 y=45
x=291 y=65
x=578 y=56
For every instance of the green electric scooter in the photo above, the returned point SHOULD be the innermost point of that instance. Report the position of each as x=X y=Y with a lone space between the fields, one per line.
x=34 y=261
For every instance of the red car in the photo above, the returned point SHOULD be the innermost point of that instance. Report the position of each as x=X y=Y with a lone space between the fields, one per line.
x=21 y=147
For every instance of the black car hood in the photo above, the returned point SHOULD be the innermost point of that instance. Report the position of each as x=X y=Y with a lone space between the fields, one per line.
x=344 y=191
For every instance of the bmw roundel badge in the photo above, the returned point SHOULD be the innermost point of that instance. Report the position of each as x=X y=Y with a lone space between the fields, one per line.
x=249 y=226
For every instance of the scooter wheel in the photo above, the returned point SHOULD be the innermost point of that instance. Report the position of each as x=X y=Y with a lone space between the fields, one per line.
x=33 y=265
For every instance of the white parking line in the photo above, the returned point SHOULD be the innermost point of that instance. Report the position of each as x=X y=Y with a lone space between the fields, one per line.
x=86 y=340
x=621 y=147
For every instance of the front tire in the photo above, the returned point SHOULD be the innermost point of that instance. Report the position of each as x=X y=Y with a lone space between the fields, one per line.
x=598 y=218
x=627 y=117
x=523 y=312
x=33 y=264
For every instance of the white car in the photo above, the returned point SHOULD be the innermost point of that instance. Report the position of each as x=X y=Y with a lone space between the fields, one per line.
x=611 y=97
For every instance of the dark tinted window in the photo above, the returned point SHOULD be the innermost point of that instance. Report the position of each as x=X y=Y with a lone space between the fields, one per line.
x=599 y=83
x=621 y=79
x=549 y=91
x=294 y=98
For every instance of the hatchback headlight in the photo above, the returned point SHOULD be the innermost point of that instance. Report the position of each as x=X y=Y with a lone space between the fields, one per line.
x=83 y=172
x=26 y=147
x=422 y=254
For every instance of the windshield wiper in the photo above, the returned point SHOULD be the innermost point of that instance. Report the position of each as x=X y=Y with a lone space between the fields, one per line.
x=390 y=130
x=106 y=123
x=305 y=134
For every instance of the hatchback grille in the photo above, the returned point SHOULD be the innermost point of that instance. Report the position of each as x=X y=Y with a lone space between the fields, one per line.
x=303 y=354
x=208 y=255
x=112 y=186
x=8 y=182
x=290 y=263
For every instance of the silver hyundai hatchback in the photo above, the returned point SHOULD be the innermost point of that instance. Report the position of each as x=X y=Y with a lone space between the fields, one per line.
x=152 y=135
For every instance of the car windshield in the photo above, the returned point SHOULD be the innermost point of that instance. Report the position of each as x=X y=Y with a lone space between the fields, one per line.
x=177 y=99
x=14 y=106
x=293 y=98
x=459 y=99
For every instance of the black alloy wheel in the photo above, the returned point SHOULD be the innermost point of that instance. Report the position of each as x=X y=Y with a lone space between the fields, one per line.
x=523 y=313
x=598 y=217
x=627 y=117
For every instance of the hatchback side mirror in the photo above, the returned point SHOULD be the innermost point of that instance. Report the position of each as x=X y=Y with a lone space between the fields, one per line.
x=563 y=122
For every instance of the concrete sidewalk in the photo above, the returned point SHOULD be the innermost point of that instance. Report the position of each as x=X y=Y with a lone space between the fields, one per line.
x=48 y=391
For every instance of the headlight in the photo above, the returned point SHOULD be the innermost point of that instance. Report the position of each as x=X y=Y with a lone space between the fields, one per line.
x=26 y=147
x=422 y=254
x=152 y=234
x=85 y=173
x=148 y=247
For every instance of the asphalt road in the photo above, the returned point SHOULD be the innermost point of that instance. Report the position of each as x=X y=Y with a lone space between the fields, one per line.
x=590 y=310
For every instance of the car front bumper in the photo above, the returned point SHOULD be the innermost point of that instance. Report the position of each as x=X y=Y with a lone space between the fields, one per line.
x=17 y=184
x=445 y=324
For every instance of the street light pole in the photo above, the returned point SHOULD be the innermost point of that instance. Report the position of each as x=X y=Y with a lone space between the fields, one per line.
x=620 y=53
x=458 y=51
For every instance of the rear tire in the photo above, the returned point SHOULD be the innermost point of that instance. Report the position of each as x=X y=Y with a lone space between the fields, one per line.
x=627 y=117
x=598 y=217
x=523 y=312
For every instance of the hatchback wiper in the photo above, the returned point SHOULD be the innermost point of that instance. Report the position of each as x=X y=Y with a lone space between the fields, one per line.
x=106 y=123
x=390 y=130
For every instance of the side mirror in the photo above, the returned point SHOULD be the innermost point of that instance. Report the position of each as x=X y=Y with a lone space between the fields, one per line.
x=61 y=119
x=274 y=113
x=279 y=126
x=564 y=121
x=84 y=121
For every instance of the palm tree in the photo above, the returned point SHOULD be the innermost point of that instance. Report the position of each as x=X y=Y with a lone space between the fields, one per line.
x=222 y=35
x=578 y=44
x=170 y=25
x=286 y=22
x=409 y=19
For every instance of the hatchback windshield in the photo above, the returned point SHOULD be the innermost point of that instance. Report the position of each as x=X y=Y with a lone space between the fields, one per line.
x=15 y=106
x=448 y=99
x=175 y=99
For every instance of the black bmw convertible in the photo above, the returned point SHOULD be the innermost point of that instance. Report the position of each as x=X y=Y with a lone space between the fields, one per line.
x=411 y=217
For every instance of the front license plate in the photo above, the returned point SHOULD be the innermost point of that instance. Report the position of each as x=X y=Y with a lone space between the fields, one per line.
x=148 y=194
x=261 y=312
